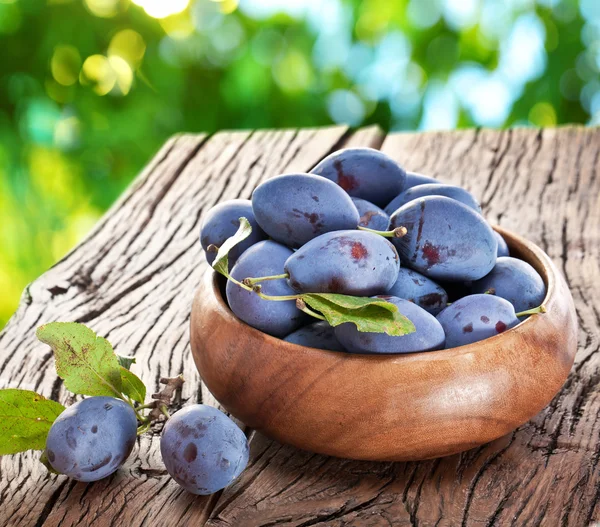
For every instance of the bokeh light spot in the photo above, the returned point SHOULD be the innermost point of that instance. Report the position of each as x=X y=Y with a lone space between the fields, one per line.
x=129 y=45
x=98 y=73
x=228 y=6
x=106 y=75
x=103 y=8
x=162 y=8
x=424 y=13
x=38 y=121
x=345 y=107
x=542 y=114
x=67 y=132
x=178 y=26
x=65 y=65
x=293 y=72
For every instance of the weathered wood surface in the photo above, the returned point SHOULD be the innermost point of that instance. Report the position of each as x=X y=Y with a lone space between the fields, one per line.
x=133 y=278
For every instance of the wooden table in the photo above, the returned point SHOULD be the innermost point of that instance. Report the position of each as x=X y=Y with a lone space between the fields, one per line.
x=132 y=280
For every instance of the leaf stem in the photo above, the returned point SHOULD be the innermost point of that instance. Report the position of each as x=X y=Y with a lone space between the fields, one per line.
x=535 y=310
x=301 y=305
x=252 y=281
x=144 y=427
x=398 y=232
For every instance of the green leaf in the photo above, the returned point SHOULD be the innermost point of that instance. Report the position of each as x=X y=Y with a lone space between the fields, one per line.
x=133 y=386
x=126 y=362
x=371 y=315
x=86 y=363
x=25 y=418
x=221 y=261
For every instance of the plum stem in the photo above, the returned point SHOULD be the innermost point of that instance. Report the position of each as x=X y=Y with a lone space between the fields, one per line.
x=237 y=282
x=252 y=281
x=301 y=305
x=280 y=298
x=539 y=309
x=398 y=232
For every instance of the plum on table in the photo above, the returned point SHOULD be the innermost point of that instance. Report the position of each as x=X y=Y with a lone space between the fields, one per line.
x=203 y=450
x=92 y=438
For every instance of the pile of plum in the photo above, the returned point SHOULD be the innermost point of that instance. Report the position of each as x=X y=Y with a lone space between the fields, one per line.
x=360 y=225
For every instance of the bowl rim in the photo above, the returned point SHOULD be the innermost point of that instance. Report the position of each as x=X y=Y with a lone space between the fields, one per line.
x=545 y=268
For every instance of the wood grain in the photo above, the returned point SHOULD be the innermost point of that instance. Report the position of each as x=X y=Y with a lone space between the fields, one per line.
x=133 y=278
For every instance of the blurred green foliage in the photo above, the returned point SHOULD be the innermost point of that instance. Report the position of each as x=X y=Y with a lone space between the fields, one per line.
x=89 y=89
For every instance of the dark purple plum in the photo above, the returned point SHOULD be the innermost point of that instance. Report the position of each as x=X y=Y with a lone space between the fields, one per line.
x=476 y=317
x=514 y=280
x=413 y=179
x=222 y=222
x=203 y=450
x=502 y=245
x=450 y=191
x=278 y=318
x=295 y=208
x=92 y=438
x=446 y=240
x=371 y=216
x=429 y=335
x=348 y=262
x=419 y=289
x=364 y=173
x=318 y=335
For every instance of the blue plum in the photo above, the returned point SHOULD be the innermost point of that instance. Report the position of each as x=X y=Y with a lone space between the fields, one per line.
x=413 y=179
x=203 y=450
x=514 y=280
x=278 y=318
x=318 y=335
x=222 y=222
x=295 y=208
x=419 y=289
x=364 y=173
x=450 y=191
x=476 y=317
x=502 y=245
x=92 y=438
x=348 y=262
x=446 y=240
x=371 y=216
x=429 y=335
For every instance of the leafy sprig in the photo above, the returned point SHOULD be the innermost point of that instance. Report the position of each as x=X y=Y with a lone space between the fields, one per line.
x=89 y=366
x=373 y=315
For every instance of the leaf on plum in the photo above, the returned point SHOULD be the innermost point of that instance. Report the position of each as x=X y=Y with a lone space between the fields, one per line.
x=126 y=362
x=133 y=386
x=221 y=261
x=371 y=315
x=25 y=419
x=86 y=362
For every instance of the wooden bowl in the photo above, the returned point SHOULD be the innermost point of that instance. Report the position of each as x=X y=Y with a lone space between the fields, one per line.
x=393 y=407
